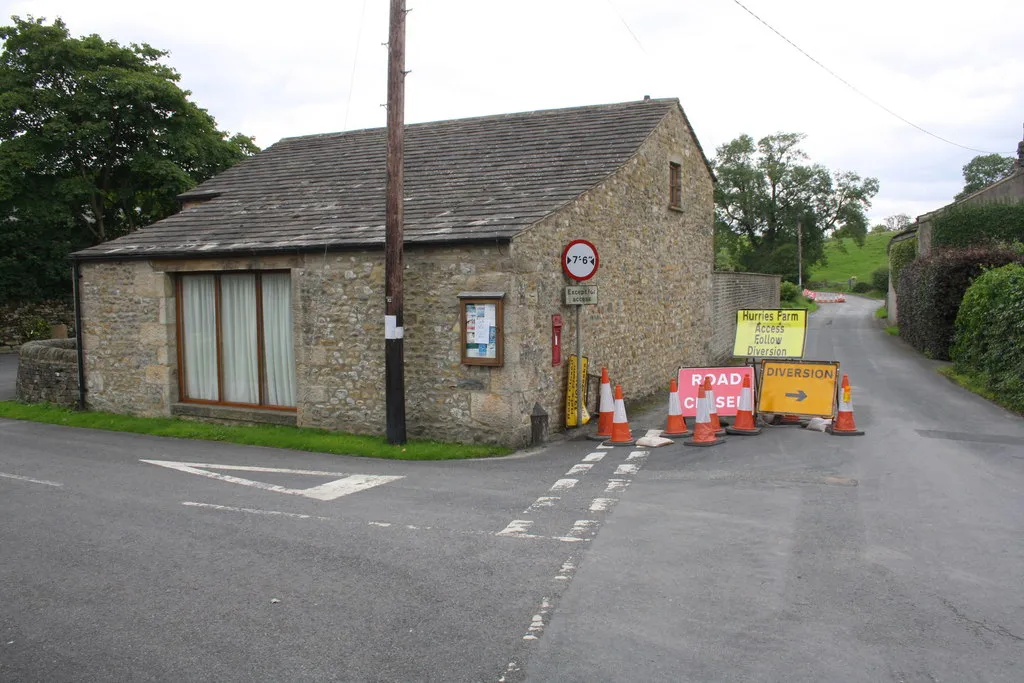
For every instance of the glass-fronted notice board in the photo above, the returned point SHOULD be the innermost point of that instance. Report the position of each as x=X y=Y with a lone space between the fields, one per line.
x=482 y=314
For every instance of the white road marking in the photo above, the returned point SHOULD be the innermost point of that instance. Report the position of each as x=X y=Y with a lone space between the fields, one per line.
x=616 y=485
x=602 y=504
x=594 y=457
x=253 y=511
x=18 y=477
x=542 y=502
x=517 y=528
x=563 y=484
x=383 y=524
x=636 y=455
x=654 y=432
x=605 y=447
x=348 y=483
x=537 y=623
x=627 y=468
x=581 y=468
x=583 y=527
x=565 y=573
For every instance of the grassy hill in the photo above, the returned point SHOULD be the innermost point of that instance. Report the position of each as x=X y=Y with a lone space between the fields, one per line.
x=859 y=262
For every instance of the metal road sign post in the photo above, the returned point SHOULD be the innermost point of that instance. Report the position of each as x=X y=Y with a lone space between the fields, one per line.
x=579 y=262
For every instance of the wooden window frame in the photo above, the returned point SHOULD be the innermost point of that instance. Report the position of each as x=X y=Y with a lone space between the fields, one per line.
x=496 y=299
x=260 y=341
x=675 y=185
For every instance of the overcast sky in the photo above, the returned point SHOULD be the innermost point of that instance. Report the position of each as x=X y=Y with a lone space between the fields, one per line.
x=274 y=70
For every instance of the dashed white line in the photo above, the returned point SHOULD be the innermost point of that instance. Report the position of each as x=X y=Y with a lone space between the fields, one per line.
x=583 y=527
x=581 y=468
x=564 y=484
x=636 y=455
x=596 y=456
x=605 y=447
x=518 y=528
x=542 y=502
x=18 y=477
x=251 y=511
x=616 y=485
x=566 y=572
x=602 y=504
x=627 y=468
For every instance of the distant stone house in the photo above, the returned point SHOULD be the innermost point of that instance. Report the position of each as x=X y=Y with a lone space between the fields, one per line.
x=263 y=299
x=1006 y=190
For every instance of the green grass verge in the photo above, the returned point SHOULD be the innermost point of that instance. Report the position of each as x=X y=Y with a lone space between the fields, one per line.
x=859 y=262
x=300 y=439
x=974 y=384
x=882 y=313
x=893 y=330
x=802 y=302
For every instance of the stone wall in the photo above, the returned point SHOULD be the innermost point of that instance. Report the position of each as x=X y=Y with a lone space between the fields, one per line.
x=654 y=278
x=654 y=312
x=128 y=338
x=731 y=292
x=48 y=372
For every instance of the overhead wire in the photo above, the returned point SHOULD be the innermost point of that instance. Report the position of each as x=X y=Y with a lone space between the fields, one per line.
x=852 y=87
x=355 y=62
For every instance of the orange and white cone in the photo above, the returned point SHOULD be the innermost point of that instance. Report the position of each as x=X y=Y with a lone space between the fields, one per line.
x=715 y=423
x=676 y=425
x=606 y=414
x=744 y=423
x=844 y=424
x=621 y=436
x=703 y=432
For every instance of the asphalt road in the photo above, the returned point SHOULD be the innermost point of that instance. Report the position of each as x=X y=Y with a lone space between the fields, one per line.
x=8 y=375
x=790 y=556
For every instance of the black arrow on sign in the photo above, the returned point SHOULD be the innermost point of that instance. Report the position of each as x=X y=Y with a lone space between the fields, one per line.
x=799 y=396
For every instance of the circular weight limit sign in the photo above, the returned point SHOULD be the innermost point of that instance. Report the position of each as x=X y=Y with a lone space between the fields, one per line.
x=579 y=260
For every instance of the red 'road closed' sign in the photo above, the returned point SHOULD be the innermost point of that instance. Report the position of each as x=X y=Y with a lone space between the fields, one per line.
x=727 y=384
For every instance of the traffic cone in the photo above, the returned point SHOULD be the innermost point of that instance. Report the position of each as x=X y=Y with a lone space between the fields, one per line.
x=621 y=436
x=606 y=414
x=744 y=423
x=703 y=432
x=676 y=425
x=715 y=423
x=844 y=424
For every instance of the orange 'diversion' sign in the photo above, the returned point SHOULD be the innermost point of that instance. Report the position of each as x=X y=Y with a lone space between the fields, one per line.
x=727 y=384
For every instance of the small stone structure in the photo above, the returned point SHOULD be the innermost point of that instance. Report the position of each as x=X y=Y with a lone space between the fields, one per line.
x=732 y=292
x=48 y=372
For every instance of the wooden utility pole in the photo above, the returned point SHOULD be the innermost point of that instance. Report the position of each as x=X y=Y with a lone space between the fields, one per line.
x=800 y=255
x=394 y=349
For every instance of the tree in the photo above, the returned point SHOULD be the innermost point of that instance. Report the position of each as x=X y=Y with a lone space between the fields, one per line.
x=982 y=171
x=766 y=190
x=897 y=222
x=96 y=140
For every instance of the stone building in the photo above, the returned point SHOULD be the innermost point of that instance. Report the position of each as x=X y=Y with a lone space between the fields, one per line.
x=262 y=300
x=1008 y=190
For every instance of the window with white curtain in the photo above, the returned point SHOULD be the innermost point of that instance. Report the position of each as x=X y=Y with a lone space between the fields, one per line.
x=235 y=338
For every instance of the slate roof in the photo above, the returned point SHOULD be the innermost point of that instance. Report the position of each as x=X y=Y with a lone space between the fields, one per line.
x=475 y=179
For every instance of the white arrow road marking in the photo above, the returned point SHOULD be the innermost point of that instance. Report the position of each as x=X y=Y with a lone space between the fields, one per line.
x=348 y=483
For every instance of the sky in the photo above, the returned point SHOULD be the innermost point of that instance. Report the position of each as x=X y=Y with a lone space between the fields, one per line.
x=273 y=70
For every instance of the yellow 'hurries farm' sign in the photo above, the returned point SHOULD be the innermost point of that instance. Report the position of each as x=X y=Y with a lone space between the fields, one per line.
x=772 y=333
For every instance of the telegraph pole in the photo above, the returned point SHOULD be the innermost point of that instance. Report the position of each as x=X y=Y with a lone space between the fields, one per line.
x=800 y=255
x=394 y=349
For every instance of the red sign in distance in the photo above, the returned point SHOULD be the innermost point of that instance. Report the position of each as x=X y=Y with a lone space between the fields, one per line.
x=580 y=260
x=727 y=383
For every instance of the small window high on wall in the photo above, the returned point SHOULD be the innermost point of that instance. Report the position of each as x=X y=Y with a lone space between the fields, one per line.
x=235 y=339
x=675 y=185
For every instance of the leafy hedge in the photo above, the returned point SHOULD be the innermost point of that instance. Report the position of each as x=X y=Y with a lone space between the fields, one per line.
x=900 y=254
x=880 y=279
x=965 y=226
x=930 y=290
x=990 y=333
x=788 y=291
